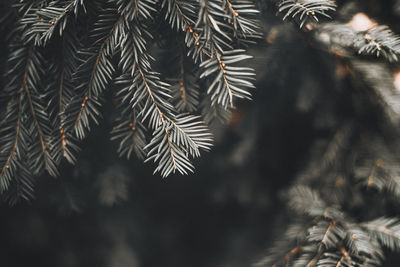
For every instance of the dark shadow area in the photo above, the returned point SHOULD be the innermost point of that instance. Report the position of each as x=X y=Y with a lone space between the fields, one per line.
x=225 y=214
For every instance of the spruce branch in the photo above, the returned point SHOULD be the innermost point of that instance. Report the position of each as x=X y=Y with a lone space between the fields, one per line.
x=173 y=137
x=21 y=187
x=206 y=37
x=130 y=132
x=360 y=244
x=93 y=75
x=49 y=18
x=10 y=152
x=380 y=41
x=229 y=81
x=214 y=113
x=27 y=125
x=304 y=10
x=52 y=100
x=386 y=231
x=335 y=260
x=63 y=92
x=186 y=92
x=242 y=15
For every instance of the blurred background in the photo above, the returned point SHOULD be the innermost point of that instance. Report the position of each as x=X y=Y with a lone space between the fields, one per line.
x=107 y=211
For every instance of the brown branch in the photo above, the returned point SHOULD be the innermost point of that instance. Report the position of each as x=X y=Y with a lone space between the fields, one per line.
x=222 y=68
x=95 y=66
x=314 y=260
x=340 y=261
x=185 y=22
x=234 y=12
x=331 y=225
x=14 y=148
x=60 y=110
x=290 y=254
x=162 y=117
x=35 y=120
x=182 y=82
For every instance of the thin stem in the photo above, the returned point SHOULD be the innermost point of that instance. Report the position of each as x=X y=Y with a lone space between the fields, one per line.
x=15 y=143
x=162 y=117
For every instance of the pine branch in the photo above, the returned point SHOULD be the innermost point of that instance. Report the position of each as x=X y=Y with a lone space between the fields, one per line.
x=327 y=235
x=206 y=37
x=63 y=92
x=335 y=260
x=185 y=88
x=161 y=148
x=377 y=167
x=22 y=186
x=9 y=144
x=386 y=230
x=37 y=122
x=191 y=133
x=308 y=256
x=48 y=19
x=181 y=16
x=242 y=15
x=304 y=10
x=174 y=141
x=132 y=10
x=212 y=113
x=287 y=247
x=229 y=81
x=304 y=200
x=146 y=92
x=170 y=157
x=26 y=131
x=173 y=138
x=53 y=100
x=94 y=74
x=40 y=119
x=131 y=134
x=380 y=41
x=360 y=243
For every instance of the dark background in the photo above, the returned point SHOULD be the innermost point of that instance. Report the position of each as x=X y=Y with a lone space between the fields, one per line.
x=229 y=211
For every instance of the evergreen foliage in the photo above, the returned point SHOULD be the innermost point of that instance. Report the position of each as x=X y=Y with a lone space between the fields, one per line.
x=336 y=222
x=305 y=10
x=69 y=57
